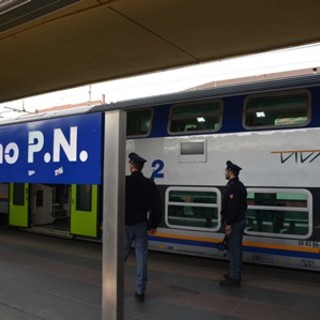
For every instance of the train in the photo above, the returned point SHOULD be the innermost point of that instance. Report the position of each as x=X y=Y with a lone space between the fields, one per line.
x=51 y=168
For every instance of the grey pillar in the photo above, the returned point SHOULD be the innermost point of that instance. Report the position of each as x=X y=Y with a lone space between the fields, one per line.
x=113 y=216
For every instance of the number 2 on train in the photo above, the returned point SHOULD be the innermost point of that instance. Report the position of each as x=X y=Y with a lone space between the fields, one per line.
x=158 y=166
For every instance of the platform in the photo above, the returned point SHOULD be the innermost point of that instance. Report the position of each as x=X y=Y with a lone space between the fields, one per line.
x=46 y=278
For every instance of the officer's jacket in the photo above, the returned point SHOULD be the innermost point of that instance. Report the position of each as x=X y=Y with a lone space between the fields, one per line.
x=234 y=202
x=142 y=195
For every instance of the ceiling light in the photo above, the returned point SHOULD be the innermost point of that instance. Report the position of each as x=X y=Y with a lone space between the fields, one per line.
x=8 y=5
x=260 y=114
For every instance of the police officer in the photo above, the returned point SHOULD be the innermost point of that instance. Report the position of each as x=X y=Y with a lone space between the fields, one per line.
x=142 y=196
x=234 y=205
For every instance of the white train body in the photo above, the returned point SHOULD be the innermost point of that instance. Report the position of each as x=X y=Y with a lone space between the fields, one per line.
x=271 y=129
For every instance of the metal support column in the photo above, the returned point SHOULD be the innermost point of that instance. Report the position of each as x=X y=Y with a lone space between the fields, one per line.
x=113 y=216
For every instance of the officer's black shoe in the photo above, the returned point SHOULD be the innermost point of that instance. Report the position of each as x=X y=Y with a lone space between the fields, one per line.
x=139 y=296
x=226 y=276
x=231 y=283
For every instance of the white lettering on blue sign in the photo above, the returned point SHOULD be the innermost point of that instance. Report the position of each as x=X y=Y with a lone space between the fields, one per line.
x=60 y=142
x=36 y=142
x=10 y=154
x=53 y=151
x=70 y=149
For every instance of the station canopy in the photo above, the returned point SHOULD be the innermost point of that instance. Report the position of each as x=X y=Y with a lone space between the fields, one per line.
x=53 y=45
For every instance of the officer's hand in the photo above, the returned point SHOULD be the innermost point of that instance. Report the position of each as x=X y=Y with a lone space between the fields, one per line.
x=152 y=231
x=228 y=230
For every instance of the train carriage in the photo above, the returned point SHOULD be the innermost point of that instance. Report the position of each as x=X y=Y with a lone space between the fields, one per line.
x=270 y=128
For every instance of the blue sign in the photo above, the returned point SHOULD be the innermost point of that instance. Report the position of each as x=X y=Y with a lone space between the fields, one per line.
x=63 y=150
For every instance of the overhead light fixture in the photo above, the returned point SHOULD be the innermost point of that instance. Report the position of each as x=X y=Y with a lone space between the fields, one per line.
x=14 y=13
x=201 y=119
x=8 y=5
x=260 y=114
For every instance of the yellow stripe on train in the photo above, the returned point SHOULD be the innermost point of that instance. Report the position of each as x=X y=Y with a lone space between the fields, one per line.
x=245 y=243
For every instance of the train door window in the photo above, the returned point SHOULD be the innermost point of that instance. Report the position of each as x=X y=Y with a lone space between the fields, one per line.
x=84 y=196
x=39 y=198
x=139 y=122
x=193 y=208
x=196 y=117
x=278 y=110
x=279 y=212
x=18 y=194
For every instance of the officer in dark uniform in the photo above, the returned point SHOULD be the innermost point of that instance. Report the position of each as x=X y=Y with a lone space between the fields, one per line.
x=142 y=196
x=234 y=205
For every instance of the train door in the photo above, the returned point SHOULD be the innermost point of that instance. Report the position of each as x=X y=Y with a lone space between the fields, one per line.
x=41 y=200
x=62 y=206
x=4 y=203
x=84 y=210
x=19 y=205
x=50 y=207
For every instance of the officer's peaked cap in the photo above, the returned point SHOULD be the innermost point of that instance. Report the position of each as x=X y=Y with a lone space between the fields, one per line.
x=135 y=158
x=232 y=166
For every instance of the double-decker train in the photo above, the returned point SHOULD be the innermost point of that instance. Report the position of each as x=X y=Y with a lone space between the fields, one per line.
x=270 y=128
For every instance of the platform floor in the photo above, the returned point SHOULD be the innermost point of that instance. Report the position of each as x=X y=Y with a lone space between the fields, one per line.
x=46 y=278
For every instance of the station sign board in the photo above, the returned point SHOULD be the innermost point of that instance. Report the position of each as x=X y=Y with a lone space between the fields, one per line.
x=62 y=150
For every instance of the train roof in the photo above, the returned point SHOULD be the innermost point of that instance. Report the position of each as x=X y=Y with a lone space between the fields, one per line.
x=180 y=97
x=37 y=116
x=217 y=92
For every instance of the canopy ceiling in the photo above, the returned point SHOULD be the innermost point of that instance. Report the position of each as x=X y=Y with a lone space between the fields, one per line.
x=45 y=46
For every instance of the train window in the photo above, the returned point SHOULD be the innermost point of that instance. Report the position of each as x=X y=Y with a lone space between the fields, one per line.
x=84 y=195
x=196 y=117
x=139 y=122
x=18 y=194
x=288 y=109
x=193 y=208
x=279 y=213
x=39 y=198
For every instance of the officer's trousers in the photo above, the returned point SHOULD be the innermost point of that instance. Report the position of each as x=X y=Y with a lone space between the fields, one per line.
x=138 y=234
x=235 y=249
